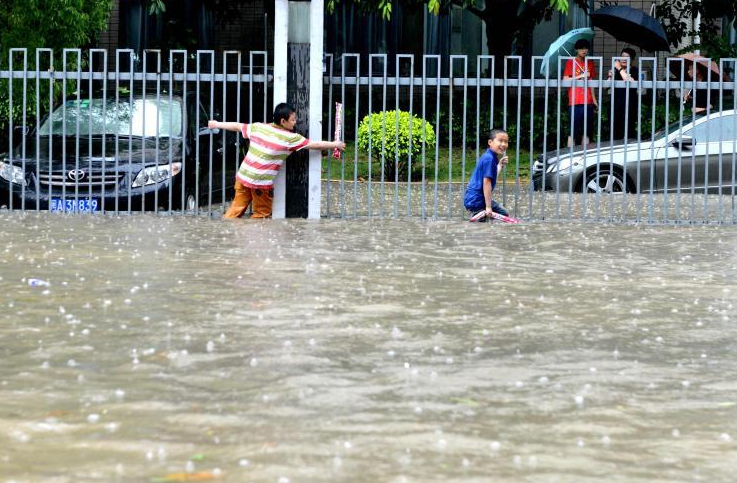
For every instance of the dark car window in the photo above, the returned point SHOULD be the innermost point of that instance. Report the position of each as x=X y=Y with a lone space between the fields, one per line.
x=709 y=131
x=96 y=117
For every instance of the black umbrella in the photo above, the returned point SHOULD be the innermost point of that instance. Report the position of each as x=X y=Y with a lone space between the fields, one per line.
x=631 y=26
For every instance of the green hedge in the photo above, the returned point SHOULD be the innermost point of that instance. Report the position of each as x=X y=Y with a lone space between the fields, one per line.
x=380 y=128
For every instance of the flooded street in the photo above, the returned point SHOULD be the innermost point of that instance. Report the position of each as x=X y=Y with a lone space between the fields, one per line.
x=153 y=349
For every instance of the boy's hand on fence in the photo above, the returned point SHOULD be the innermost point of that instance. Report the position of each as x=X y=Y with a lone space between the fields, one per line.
x=339 y=145
x=212 y=125
x=504 y=160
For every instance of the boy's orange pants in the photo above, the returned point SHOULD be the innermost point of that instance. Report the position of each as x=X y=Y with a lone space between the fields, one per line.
x=262 y=200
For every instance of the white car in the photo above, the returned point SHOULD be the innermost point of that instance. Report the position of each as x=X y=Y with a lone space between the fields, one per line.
x=699 y=154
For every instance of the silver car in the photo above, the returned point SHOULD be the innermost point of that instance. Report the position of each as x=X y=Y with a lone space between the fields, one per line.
x=689 y=154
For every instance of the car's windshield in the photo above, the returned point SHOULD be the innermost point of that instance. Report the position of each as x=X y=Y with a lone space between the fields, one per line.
x=673 y=127
x=97 y=117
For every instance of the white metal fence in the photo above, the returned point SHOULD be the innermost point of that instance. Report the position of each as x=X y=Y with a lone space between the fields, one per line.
x=92 y=132
x=674 y=165
x=89 y=133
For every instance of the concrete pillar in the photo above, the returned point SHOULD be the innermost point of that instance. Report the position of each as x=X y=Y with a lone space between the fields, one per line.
x=297 y=188
x=317 y=15
x=281 y=29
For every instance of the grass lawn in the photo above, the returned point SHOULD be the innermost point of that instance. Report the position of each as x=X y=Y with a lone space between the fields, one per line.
x=443 y=164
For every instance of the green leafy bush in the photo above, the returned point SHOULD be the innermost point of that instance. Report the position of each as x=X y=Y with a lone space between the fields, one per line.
x=381 y=129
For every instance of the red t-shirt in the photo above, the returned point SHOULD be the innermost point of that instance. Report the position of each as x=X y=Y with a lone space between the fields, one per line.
x=578 y=95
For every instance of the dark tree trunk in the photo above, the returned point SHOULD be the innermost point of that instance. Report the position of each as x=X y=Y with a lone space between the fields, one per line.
x=500 y=19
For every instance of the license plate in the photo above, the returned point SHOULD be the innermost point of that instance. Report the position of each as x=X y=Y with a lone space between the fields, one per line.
x=80 y=205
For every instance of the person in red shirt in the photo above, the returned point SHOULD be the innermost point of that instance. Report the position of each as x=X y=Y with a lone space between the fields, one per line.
x=581 y=100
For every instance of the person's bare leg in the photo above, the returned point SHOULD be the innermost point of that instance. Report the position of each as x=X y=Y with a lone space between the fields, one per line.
x=570 y=141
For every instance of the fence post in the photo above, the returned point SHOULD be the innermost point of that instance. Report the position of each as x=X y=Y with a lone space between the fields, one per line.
x=317 y=13
x=298 y=87
x=281 y=28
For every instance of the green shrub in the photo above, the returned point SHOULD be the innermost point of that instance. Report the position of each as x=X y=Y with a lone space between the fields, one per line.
x=395 y=146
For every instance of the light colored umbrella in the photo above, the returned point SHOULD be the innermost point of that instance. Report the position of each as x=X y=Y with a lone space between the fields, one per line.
x=702 y=64
x=563 y=45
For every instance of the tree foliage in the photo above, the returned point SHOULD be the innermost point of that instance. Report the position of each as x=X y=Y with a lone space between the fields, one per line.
x=676 y=17
x=54 y=24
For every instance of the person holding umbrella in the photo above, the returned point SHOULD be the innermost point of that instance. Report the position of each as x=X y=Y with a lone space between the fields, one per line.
x=581 y=101
x=698 y=99
x=624 y=107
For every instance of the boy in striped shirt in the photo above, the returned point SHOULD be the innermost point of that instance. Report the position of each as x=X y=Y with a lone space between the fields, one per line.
x=269 y=147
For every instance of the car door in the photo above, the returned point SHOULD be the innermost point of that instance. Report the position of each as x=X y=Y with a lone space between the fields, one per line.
x=679 y=163
x=721 y=139
x=205 y=154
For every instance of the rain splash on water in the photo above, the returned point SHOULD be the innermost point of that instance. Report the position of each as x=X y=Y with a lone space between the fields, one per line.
x=145 y=348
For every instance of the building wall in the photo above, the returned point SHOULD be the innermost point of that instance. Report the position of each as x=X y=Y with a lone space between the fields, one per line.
x=252 y=31
x=109 y=38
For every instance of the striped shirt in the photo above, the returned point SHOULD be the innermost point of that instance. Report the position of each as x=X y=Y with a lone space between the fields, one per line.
x=270 y=146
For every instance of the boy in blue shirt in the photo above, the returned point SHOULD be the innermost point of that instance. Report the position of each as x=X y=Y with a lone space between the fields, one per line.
x=483 y=180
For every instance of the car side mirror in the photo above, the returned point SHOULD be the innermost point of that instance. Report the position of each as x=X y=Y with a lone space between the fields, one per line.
x=684 y=143
x=19 y=132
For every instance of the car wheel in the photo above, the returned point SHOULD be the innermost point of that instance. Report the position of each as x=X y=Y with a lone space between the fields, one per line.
x=190 y=202
x=607 y=181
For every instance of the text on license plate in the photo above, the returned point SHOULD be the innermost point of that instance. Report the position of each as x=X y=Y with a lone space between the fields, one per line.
x=86 y=204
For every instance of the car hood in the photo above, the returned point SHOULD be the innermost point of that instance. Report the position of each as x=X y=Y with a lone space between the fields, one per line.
x=95 y=152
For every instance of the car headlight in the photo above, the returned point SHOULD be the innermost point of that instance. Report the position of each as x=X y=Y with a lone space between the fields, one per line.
x=156 y=174
x=576 y=162
x=14 y=174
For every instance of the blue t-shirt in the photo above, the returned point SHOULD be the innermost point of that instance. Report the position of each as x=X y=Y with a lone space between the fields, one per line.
x=485 y=168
